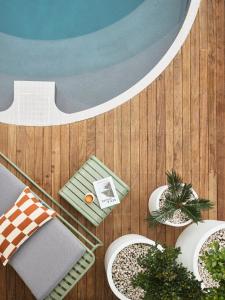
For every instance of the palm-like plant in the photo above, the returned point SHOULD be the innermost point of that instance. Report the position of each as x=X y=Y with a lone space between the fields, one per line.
x=179 y=196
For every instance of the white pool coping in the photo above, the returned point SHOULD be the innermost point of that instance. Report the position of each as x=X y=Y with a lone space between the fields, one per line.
x=13 y=115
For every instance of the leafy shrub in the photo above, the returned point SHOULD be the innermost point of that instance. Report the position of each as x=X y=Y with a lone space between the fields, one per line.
x=179 y=196
x=216 y=293
x=214 y=260
x=164 y=278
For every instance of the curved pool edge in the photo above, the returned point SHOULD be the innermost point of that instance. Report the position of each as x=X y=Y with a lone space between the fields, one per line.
x=57 y=117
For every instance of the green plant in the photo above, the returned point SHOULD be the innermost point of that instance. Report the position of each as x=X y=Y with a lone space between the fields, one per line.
x=214 y=261
x=164 y=278
x=179 y=196
x=216 y=293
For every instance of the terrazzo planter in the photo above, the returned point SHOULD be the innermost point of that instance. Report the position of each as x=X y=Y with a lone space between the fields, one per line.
x=154 y=200
x=191 y=241
x=112 y=251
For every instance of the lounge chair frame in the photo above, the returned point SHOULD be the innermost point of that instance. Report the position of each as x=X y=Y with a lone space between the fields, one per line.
x=87 y=260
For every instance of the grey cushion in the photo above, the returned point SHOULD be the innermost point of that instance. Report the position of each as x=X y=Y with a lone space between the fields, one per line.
x=47 y=256
x=10 y=189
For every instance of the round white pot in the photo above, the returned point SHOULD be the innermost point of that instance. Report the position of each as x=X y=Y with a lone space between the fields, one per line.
x=114 y=249
x=191 y=240
x=153 y=204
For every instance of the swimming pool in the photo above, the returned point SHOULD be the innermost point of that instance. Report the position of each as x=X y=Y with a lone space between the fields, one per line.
x=60 y=19
x=99 y=53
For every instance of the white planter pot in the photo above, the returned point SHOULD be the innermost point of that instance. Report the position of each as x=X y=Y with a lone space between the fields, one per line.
x=153 y=204
x=191 y=240
x=112 y=252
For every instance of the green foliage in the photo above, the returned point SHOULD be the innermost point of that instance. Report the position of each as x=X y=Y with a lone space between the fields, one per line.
x=179 y=196
x=165 y=279
x=216 y=293
x=174 y=181
x=214 y=260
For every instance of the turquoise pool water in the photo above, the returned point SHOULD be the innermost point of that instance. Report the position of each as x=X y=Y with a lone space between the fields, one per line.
x=60 y=19
x=94 y=50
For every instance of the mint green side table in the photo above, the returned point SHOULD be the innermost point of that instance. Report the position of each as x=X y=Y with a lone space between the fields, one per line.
x=81 y=183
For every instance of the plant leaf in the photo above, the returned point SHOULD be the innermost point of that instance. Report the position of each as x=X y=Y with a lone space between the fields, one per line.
x=204 y=203
x=186 y=193
x=192 y=212
x=174 y=182
x=161 y=215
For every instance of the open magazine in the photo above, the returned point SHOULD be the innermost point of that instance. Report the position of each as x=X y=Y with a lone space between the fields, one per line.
x=106 y=192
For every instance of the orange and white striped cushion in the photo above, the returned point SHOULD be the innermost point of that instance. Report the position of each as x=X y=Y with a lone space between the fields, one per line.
x=23 y=219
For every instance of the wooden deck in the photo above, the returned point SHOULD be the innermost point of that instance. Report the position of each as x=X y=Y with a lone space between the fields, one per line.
x=178 y=121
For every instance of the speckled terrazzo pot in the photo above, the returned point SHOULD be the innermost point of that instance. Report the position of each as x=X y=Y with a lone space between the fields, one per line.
x=191 y=241
x=112 y=251
x=153 y=204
